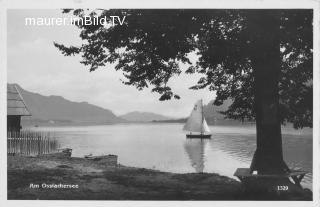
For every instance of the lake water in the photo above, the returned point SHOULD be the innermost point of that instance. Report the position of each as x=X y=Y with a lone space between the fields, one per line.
x=165 y=147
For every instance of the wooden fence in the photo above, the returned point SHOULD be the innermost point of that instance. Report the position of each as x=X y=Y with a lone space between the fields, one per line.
x=31 y=143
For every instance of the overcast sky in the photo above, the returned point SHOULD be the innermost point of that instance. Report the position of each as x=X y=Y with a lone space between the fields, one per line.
x=36 y=65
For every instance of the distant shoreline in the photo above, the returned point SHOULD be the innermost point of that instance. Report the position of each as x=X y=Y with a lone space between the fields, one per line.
x=78 y=124
x=46 y=123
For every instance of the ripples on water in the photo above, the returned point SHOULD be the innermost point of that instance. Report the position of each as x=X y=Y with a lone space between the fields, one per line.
x=165 y=147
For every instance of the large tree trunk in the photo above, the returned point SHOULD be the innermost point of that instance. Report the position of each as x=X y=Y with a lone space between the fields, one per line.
x=264 y=27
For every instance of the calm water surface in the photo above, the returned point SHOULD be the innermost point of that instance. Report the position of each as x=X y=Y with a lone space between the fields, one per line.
x=164 y=147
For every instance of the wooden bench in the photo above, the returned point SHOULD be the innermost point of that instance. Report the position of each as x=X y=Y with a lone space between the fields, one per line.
x=296 y=175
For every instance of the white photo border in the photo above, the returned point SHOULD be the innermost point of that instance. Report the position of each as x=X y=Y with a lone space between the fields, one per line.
x=162 y=4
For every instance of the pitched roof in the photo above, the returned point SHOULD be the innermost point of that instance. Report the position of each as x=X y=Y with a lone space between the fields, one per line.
x=15 y=103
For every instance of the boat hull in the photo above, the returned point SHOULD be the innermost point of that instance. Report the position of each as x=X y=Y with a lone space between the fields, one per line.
x=199 y=136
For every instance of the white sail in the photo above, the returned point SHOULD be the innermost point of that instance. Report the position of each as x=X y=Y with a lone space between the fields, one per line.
x=205 y=127
x=196 y=121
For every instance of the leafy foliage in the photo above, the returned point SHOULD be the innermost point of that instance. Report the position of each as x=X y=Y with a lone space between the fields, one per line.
x=148 y=47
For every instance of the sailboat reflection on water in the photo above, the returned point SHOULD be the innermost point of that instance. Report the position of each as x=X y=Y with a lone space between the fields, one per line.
x=196 y=123
x=195 y=149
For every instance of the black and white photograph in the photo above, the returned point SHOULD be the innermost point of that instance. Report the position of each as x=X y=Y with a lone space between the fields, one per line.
x=116 y=102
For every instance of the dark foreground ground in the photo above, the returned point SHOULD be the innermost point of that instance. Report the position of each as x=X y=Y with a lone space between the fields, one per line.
x=100 y=182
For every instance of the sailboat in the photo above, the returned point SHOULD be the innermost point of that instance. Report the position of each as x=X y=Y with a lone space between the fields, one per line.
x=196 y=123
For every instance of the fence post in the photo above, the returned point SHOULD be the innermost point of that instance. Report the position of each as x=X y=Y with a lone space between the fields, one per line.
x=8 y=142
x=39 y=146
x=14 y=142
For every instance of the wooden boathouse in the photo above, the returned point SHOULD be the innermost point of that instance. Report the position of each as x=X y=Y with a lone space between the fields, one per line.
x=16 y=108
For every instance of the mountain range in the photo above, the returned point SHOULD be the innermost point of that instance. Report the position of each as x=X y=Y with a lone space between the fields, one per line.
x=58 y=110
x=211 y=113
x=137 y=116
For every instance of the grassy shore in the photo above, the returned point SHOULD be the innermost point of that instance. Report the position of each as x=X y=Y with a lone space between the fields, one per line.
x=100 y=182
